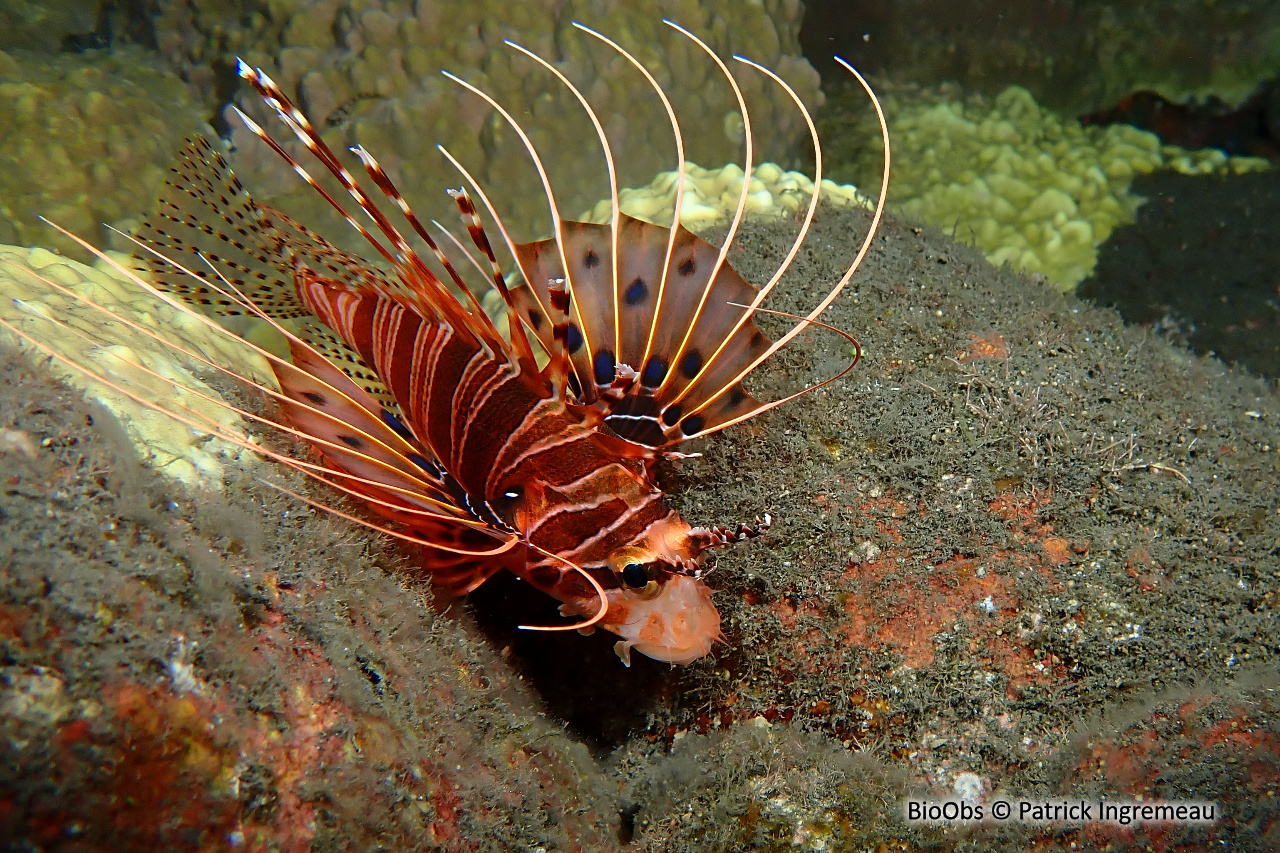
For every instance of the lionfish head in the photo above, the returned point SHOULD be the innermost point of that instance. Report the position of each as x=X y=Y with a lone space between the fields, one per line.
x=662 y=608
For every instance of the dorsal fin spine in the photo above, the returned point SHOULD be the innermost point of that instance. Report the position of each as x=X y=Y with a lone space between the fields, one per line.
x=742 y=196
x=384 y=183
x=407 y=260
x=257 y=131
x=475 y=228
x=493 y=213
x=552 y=206
x=680 y=184
x=791 y=254
x=294 y=119
x=614 y=219
x=813 y=315
x=557 y=369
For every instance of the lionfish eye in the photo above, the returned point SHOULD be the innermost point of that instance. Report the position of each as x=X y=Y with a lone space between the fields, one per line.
x=635 y=576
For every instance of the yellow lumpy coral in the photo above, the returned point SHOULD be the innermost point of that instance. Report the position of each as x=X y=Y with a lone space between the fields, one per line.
x=1025 y=186
x=85 y=140
x=712 y=195
x=84 y=335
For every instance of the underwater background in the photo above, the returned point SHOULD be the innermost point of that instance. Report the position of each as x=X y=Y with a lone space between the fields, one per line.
x=1029 y=547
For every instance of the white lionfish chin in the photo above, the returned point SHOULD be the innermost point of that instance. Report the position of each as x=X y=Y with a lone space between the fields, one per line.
x=677 y=626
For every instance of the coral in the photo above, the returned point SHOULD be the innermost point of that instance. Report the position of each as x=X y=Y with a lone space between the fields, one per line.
x=200 y=39
x=83 y=334
x=36 y=25
x=369 y=73
x=1022 y=184
x=1075 y=56
x=84 y=141
x=711 y=196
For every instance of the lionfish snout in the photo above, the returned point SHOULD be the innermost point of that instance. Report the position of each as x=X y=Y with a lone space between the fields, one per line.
x=665 y=612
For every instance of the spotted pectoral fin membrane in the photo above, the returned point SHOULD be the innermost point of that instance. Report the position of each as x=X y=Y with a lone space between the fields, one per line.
x=679 y=331
x=358 y=436
x=337 y=352
x=204 y=218
x=204 y=211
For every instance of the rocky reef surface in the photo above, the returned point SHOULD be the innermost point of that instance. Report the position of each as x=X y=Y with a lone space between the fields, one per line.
x=1075 y=56
x=1023 y=550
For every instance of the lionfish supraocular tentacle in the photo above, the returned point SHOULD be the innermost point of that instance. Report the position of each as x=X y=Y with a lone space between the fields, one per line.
x=419 y=407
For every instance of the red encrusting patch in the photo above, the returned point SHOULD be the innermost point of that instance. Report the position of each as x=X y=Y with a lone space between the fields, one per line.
x=986 y=346
x=889 y=599
x=1141 y=565
x=1056 y=549
x=155 y=768
x=1141 y=761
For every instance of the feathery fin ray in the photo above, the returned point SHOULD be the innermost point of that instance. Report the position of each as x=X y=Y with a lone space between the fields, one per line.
x=630 y=278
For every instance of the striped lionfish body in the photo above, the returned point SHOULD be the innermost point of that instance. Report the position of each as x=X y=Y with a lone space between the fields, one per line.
x=449 y=429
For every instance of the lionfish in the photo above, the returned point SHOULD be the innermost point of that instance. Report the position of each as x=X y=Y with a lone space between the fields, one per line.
x=417 y=405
